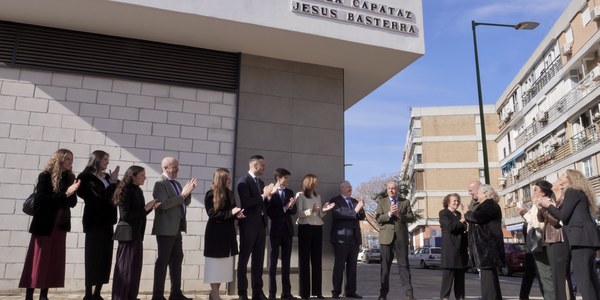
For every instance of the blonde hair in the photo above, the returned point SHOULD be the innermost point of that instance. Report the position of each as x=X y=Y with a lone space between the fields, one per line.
x=219 y=188
x=489 y=192
x=309 y=185
x=54 y=167
x=579 y=182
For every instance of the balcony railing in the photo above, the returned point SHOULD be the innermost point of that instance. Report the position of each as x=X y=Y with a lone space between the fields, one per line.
x=537 y=86
x=588 y=137
x=589 y=83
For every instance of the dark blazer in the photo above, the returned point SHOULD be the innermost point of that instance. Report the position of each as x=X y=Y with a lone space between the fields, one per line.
x=485 y=235
x=167 y=218
x=579 y=227
x=454 y=240
x=391 y=226
x=220 y=236
x=49 y=202
x=252 y=202
x=99 y=210
x=345 y=225
x=281 y=221
x=132 y=215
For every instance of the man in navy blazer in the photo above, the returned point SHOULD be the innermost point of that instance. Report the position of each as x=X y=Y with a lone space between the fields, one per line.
x=280 y=209
x=253 y=196
x=346 y=239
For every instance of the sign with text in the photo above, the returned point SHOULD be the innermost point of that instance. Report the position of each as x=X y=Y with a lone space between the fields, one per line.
x=364 y=13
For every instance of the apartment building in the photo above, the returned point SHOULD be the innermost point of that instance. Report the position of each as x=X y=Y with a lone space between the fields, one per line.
x=209 y=82
x=550 y=113
x=442 y=154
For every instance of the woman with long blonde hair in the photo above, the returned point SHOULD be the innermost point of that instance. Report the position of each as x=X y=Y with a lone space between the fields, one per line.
x=577 y=213
x=55 y=196
x=220 y=243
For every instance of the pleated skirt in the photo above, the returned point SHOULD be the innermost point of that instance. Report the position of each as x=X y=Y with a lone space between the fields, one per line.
x=128 y=270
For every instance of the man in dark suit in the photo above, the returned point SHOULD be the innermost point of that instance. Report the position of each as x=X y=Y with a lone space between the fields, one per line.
x=280 y=209
x=393 y=215
x=253 y=195
x=169 y=222
x=346 y=239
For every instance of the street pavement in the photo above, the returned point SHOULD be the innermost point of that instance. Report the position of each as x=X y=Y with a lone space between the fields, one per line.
x=426 y=285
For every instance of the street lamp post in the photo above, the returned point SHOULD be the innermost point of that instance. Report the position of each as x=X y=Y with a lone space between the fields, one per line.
x=520 y=26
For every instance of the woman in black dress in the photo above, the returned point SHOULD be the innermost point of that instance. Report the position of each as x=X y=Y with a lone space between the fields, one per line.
x=55 y=195
x=99 y=216
x=455 y=255
x=129 y=198
x=220 y=243
x=485 y=235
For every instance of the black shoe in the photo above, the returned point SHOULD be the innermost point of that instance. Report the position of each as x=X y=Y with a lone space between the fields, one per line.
x=335 y=296
x=289 y=297
x=271 y=297
x=243 y=297
x=354 y=295
x=98 y=297
x=319 y=297
x=260 y=296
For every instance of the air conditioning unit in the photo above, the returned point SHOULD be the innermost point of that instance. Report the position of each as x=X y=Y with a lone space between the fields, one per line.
x=502 y=181
x=568 y=48
x=542 y=116
x=595 y=13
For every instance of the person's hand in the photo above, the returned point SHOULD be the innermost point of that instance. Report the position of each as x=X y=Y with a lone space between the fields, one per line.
x=73 y=188
x=240 y=214
x=316 y=208
x=114 y=175
x=522 y=211
x=328 y=206
x=291 y=203
x=152 y=204
x=235 y=210
x=268 y=190
x=360 y=205
x=394 y=210
x=189 y=187
x=545 y=202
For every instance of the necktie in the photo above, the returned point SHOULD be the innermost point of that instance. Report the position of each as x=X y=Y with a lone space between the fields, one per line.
x=257 y=185
x=178 y=192
x=393 y=201
x=282 y=196
x=349 y=203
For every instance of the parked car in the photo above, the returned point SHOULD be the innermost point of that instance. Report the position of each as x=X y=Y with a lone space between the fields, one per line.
x=369 y=255
x=426 y=257
x=515 y=259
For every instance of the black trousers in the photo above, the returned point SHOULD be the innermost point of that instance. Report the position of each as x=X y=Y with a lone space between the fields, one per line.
x=345 y=257
x=584 y=266
x=98 y=255
x=283 y=242
x=387 y=256
x=490 y=285
x=456 y=276
x=170 y=254
x=559 y=256
x=310 y=248
x=252 y=243
x=529 y=276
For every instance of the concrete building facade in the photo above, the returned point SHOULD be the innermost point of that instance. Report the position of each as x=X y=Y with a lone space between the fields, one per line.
x=209 y=82
x=442 y=154
x=550 y=113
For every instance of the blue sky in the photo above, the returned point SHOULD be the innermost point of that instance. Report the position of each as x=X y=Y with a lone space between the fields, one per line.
x=376 y=126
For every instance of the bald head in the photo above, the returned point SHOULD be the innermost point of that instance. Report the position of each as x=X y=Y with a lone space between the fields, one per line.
x=170 y=166
x=473 y=189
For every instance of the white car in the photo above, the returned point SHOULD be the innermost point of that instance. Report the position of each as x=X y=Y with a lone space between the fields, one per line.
x=369 y=255
x=426 y=257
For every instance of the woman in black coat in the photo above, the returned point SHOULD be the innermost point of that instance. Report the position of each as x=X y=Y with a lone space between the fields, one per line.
x=99 y=216
x=455 y=255
x=220 y=243
x=486 y=239
x=129 y=198
x=579 y=205
x=55 y=195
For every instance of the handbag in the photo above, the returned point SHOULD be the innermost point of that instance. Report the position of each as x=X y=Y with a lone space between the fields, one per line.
x=123 y=232
x=533 y=243
x=29 y=206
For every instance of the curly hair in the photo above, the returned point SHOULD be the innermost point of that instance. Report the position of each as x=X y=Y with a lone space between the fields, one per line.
x=579 y=182
x=446 y=201
x=489 y=192
x=130 y=174
x=54 y=167
x=219 y=188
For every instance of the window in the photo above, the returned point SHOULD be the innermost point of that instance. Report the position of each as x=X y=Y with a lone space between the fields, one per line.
x=419 y=158
x=569 y=35
x=587 y=167
x=586 y=16
x=526 y=193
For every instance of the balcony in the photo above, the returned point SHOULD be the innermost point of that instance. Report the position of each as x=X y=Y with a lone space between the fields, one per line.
x=588 y=137
x=537 y=86
x=589 y=83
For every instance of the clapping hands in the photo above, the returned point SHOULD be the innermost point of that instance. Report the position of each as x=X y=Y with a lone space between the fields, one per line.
x=189 y=187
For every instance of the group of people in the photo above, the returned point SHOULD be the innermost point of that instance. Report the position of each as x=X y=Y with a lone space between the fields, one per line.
x=471 y=236
x=561 y=232
x=56 y=193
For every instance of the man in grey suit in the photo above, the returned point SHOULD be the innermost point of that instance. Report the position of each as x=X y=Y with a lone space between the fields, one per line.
x=169 y=222
x=394 y=214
